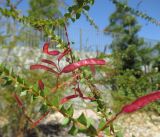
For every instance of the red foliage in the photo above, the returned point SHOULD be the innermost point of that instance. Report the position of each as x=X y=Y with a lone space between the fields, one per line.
x=18 y=100
x=38 y=66
x=53 y=52
x=66 y=99
x=141 y=102
x=40 y=84
x=85 y=62
x=67 y=35
x=49 y=62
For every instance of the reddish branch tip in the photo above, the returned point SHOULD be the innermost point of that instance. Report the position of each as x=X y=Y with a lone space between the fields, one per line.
x=38 y=66
x=53 y=52
x=45 y=47
x=66 y=99
x=85 y=62
x=49 y=62
x=137 y=104
x=141 y=102
x=40 y=84
x=18 y=100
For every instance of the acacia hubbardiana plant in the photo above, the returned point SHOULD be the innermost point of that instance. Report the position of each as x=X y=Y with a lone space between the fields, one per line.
x=73 y=69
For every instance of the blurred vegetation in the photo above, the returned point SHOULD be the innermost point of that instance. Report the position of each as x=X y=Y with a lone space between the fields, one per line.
x=135 y=65
x=133 y=69
x=49 y=9
x=11 y=82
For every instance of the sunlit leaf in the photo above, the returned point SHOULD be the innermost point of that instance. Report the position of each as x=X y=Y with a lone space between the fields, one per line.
x=73 y=131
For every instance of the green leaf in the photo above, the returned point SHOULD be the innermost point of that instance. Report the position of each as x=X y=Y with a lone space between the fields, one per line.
x=73 y=19
x=91 y=131
x=7 y=81
x=78 y=15
x=55 y=101
x=82 y=119
x=44 y=108
x=92 y=2
x=90 y=121
x=70 y=9
x=65 y=121
x=67 y=15
x=46 y=91
x=73 y=131
x=42 y=93
x=5 y=78
x=35 y=87
x=70 y=111
x=101 y=123
x=86 y=7
x=20 y=80
x=63 y=110
x=72 y=42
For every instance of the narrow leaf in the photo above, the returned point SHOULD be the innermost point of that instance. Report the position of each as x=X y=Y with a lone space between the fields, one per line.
x=38 y=66
x=45 y=47
x=85 y=62
x=141 y=102
x=66 y=99
x=40 y=84
x=49 y=62
x=18 y=100
x=54 y=52
x=45 y=50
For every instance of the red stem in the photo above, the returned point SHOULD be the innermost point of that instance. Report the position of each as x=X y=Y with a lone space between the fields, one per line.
x=67 y=36
x=69 y=46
